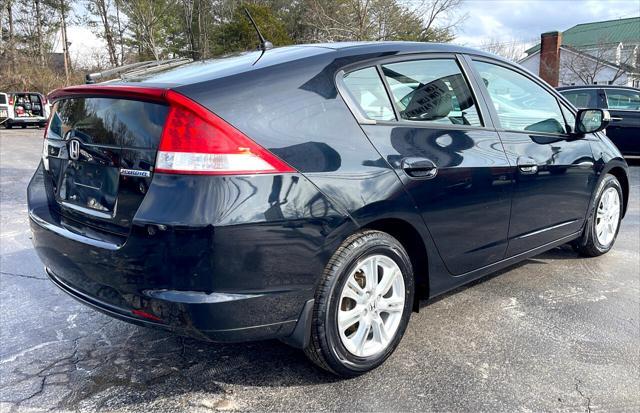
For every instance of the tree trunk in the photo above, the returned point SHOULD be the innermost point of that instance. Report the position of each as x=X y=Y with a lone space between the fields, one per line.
x=103 y=11
x=39 y=40
x=10 y=45
x=65 y=43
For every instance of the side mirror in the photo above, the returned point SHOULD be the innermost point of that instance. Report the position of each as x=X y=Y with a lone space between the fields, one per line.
x=591 y=120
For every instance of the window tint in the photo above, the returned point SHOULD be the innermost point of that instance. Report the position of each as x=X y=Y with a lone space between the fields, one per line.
x=623 y=99
x=3 y=99
x=366 y=87
x=584 y=98
x=521 y=103
x=433 y=91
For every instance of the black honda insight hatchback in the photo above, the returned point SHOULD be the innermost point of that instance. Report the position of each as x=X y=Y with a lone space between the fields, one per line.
x=314 y=193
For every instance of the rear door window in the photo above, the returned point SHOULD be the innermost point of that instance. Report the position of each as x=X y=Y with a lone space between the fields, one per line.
x=622 y=99
x=582 y=98
x=366 y=88
x=433 y=90
x=521 y=103
x=3 y=99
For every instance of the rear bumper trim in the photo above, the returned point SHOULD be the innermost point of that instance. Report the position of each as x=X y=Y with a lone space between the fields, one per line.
x=63 y=232
x=259 y=332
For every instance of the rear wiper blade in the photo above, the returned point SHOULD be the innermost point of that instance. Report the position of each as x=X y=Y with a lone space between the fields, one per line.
x=160 y=66
x=135 y=68
x=92 y=77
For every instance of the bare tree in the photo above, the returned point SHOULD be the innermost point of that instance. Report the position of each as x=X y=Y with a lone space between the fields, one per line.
x=441 y=16
x=589 y=65
x=511 y=49
x=64 y=9
x=426 y=20
x=39 y=32
x=104 y=10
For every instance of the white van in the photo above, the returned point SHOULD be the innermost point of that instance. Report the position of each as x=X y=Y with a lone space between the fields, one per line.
x=23 y=109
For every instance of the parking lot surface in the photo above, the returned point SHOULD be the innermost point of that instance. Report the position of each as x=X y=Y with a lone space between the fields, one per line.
x=557 y=332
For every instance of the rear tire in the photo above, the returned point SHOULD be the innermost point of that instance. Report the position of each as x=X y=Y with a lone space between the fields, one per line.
x=362 y=305
x=604 y=221
x=7 y=125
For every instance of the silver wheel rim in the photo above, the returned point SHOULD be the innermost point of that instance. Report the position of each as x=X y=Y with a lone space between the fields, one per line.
x=608 y=216
x=371 y=305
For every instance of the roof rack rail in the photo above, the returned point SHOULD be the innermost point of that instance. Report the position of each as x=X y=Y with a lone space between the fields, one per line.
x=135 y=68
x=162 y=65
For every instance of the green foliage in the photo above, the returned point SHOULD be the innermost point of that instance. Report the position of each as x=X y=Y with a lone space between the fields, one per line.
x=238 y=34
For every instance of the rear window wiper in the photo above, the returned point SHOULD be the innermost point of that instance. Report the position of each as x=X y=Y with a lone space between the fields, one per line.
x=135 y=69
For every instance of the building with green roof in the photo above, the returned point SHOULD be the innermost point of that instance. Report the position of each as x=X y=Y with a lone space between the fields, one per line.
x=606 y=52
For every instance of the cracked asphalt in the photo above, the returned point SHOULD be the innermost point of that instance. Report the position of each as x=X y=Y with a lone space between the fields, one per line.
x=557 y=332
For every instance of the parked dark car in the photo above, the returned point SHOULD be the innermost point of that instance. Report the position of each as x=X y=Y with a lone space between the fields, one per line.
x=314 y=193
x=624 y=105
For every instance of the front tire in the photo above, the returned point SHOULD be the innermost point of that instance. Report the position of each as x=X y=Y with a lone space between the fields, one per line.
x=362 y=305
x=604 y=220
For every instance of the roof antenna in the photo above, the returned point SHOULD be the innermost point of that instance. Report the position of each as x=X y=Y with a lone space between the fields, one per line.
x=264 y=43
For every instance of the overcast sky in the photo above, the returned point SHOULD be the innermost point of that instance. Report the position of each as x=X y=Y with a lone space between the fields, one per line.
x=508 y=20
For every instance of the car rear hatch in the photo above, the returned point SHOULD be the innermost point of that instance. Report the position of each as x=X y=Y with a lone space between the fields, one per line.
x=104 y=143
x=99 y=153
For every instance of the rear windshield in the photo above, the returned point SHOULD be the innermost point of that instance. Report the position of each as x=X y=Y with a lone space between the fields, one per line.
x=3 y=99
x=108 y=121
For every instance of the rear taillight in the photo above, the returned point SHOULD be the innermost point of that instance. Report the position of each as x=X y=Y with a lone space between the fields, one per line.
x=11 y=100
x=195 y=141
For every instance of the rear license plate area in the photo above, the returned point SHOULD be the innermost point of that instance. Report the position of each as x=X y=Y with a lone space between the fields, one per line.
x=90 y=186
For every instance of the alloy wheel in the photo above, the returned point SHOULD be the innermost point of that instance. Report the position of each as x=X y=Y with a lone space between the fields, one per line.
x=371 y=305
x=608 y=216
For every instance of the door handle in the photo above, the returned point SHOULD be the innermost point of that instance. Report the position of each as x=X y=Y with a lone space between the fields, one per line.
x=616 y=118
x=528 y=166
x=419 y=168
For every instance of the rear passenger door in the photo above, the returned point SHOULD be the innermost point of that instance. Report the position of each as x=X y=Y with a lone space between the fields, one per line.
x=554 y=170
x=421 y=115
x=624 y=129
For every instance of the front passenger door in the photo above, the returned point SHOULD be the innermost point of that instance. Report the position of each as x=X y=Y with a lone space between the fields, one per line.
x=554 y=171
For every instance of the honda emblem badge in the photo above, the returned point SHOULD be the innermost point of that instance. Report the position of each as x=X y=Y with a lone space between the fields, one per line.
x=74 y=149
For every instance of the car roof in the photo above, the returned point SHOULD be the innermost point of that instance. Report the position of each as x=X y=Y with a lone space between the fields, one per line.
x=561 y=88
x=200 y=71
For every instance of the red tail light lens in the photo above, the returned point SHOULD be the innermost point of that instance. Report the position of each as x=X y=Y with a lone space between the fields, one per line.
x=195 y=141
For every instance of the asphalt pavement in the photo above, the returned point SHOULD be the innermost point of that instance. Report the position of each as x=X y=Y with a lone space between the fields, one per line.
x=556 y=332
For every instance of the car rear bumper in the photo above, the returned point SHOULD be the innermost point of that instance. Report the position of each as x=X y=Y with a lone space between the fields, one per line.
x=240 y=282
x=202 y=330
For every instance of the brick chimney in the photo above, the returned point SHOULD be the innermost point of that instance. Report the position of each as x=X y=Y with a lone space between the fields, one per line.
x=550 y=57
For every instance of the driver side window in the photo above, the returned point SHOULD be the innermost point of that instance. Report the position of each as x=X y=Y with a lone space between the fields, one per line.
x=432 y=91
x=521 y=104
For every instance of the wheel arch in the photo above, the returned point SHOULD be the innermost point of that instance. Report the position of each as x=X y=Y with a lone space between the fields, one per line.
x=619 y=170
x=621 y=175
x=413 y=243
